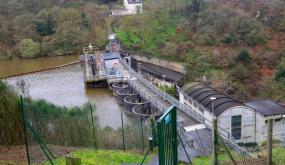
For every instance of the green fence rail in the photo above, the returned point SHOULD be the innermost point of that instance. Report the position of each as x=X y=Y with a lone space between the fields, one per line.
x=167 y=138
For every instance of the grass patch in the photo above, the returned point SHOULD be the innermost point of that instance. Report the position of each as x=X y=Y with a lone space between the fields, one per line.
x=279 y=155
x=278 y=158
x=207 y=160
x=104 y=157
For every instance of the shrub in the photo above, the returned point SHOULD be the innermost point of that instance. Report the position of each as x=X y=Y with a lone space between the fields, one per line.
x=228 y=39
x=280 y=74
x=45 y=26
x=10 y=120
x=169 y=90
x=60 y=125
x=28 y=48
x=255 y=38
x=243 y=56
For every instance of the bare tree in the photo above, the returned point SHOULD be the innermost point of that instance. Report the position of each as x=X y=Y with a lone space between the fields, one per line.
x=23 y=87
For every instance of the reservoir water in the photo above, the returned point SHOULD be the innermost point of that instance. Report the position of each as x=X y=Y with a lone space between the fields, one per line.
x=64 y=86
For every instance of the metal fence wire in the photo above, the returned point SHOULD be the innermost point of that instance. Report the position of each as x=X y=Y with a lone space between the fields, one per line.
x=51 y=135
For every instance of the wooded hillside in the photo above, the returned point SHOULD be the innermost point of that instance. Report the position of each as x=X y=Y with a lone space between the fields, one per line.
x=32 y=28
x=238 y=45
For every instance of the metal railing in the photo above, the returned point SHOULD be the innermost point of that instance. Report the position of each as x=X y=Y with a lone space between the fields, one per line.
x=145 y=95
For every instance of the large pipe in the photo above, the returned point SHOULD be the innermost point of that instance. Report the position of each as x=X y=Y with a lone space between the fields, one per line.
x=118 y=85
x=123 y=93
x=146 y=110
x=131 y=101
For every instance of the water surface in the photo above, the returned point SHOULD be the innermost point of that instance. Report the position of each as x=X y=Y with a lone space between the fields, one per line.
x=19 y=66
x=65 y=87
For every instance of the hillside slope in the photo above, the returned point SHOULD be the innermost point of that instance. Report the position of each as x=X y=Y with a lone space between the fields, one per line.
x=238 y=45
x=32 y=28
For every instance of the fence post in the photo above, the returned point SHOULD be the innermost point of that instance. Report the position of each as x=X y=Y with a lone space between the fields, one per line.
x=72 y=161
x=124 y=145
x=25 y=128
x=269 y=141
x=184 y=149
x=228 y=151
x=215 y=141
x=94 y=136
x=153 y=131
x=142 y=133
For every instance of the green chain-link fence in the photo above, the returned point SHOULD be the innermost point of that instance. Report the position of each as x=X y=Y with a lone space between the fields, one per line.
x=53 y=132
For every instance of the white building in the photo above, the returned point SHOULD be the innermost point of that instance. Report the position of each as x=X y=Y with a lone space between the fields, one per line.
x=133 y=6
x=245 y=122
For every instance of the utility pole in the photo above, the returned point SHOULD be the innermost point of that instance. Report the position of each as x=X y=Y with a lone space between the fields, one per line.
x=164 y=94
x=25 y=128
x=139 y=69
x=214 y=133
x=215 y=141
x=123 y=133
x=269 y=141
x=92 y=121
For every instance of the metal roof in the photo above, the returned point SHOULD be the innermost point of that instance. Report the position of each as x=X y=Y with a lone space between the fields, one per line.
x=159 y=71
x=134 y=1
x=110 y=55
x=267 y=107
x=202 y=94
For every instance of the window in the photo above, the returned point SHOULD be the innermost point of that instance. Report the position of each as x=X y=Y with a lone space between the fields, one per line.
x=236 y=127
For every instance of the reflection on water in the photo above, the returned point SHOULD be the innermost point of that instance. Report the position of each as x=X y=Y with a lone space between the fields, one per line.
x=18 y=66
x=65 y=87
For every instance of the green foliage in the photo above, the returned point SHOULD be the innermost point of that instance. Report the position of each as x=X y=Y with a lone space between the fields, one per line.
x=280 y=71
x=86 y=21
x=243 y=56
x=45 y=27
x=278 y=157
x=154 y=131
x=197 y=65
x=169 y=90
x=5 y=53
x=228 y=39
x=105 y=157
x=10 y=119
x=157 y=38
x=274 y=90
x=197 y=5
x=70 y=126
x=224 y=158
x=28 y=48
x=42 y=110
x=249 y=31
x=67 y=40
x=60 y=27
x=189 y=32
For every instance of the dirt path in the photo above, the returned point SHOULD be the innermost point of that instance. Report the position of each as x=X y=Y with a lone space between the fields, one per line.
x=16 y=155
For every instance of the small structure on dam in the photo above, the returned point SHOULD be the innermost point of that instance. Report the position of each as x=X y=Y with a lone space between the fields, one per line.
x=146 y=110
x=131 y=101
x=103 y=67
x=119 y=85
x=123 y=93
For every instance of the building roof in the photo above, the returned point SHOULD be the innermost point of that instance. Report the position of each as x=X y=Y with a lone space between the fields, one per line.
x=267 y=107
x=110 y=56
x=134 y=1
x=159 y=71
x=202 y=93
